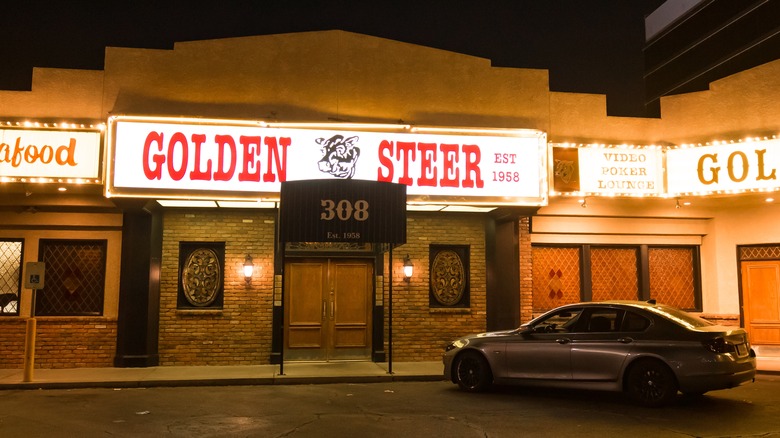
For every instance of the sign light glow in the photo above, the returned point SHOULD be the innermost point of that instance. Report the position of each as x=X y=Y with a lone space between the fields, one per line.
x=31 y=153
x=724 y=168
x=193 y=158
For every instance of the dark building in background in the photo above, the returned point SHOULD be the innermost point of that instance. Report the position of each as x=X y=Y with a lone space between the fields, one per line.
x=690 y=43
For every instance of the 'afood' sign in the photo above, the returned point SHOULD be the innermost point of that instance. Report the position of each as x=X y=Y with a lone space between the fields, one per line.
x=735 y=167
x=55 y=154
x=336 y=210
x=193 y=158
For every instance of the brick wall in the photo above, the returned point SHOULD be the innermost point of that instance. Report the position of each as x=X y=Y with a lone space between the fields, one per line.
x=420 y=332
x=61 y=342
x=239 y=333
x=526 y=271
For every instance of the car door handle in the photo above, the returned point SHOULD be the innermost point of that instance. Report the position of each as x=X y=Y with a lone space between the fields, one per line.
x=626 y=340
x=563 y=340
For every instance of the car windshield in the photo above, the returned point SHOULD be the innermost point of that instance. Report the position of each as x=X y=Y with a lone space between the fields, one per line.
x=680 y=317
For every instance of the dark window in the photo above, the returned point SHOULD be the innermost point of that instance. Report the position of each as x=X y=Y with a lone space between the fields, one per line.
x=10 y=276
x=75 y=277
x=635 y=323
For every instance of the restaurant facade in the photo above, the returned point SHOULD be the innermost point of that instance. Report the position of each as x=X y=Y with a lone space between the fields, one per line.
x=140 y=217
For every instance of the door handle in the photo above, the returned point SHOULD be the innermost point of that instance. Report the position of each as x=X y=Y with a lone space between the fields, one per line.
x=332 y=309
x=626 y=340
x=563 y=340
x=324 y=309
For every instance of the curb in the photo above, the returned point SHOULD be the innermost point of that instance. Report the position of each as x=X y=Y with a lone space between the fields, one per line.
x=254 y=381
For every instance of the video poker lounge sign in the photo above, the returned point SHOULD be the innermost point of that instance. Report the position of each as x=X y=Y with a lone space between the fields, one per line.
x=219 y=159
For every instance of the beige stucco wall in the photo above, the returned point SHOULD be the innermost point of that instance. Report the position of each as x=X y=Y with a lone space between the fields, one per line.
x=324 y=76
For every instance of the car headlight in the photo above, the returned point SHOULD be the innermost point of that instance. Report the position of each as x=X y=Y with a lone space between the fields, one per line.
x=460 y=343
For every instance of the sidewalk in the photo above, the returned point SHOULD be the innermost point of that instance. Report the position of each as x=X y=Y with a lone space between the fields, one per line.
x=294 y=373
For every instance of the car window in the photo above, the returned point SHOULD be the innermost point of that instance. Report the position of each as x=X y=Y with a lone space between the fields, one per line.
x=635 y=323
x=559 y=322
x=603 y=320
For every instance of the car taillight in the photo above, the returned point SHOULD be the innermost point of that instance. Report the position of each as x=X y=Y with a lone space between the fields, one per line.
x=718 y=345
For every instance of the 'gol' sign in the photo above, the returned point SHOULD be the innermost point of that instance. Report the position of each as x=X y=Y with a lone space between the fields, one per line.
x=721 y=168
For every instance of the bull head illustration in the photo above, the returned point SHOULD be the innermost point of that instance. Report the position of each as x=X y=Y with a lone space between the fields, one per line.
x=339 y=156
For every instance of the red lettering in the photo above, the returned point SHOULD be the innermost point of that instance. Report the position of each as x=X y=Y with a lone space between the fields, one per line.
x=197 y=174
x=249 y=158
x=450 y=174
x=275 y=158
x=403 y=150
x=153 y=172
x=473 y=157
x=180 y=139
x=385 y=154
x=427 y=172
x=223 y=141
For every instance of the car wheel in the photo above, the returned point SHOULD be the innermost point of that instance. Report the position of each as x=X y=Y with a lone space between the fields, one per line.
x=651 y=383
x=472 y=372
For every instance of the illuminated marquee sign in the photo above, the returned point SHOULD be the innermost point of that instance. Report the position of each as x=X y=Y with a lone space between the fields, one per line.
x=620 y=171
x=724 y=168
x=241 y=159
x=49 y=154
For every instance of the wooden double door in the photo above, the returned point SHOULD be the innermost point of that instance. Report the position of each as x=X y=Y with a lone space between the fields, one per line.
x=328 y=308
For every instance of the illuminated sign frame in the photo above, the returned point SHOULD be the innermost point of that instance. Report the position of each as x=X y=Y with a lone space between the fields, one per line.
x=51 y=155
x=724 y=168
x=190 y=158
x=606 y=170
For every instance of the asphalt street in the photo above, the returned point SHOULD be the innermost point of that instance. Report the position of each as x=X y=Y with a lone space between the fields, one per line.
x=387 y=409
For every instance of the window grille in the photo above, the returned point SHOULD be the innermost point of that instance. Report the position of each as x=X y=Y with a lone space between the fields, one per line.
x=10 y=276
x=75 y=277
x=672 y=276
x=669 y=274
x=614 y=274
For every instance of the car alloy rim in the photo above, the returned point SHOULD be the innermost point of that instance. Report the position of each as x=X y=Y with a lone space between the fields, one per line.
x=651 y=385
x=468 y=372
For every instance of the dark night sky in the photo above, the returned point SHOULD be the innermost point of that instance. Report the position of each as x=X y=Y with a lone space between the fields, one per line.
x=592 y=46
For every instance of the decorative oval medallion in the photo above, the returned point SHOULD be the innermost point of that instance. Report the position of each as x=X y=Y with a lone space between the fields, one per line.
x=448 y=278
x=201 y=277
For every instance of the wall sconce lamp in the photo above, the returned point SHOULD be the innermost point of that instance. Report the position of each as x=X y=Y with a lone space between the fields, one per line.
x=408 y=268
x=249 y=268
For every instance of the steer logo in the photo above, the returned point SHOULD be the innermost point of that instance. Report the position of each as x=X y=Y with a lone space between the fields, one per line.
x=339 y=156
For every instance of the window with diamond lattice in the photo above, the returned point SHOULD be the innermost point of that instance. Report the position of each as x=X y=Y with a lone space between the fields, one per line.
x=10 y=276
x=556 y=277
x=614 y=274
x=75 y=277
x=672 y=276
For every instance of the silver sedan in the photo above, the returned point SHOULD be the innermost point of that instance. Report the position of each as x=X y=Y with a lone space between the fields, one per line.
x=647 y=350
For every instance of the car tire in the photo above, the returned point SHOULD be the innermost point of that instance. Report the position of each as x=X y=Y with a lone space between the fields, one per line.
x=472 y=372
x=651 y=383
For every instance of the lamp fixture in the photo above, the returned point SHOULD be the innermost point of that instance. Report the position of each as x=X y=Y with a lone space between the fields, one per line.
x=249 y=268
x=677 y=204
x=408 y=268
x=584 y=203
